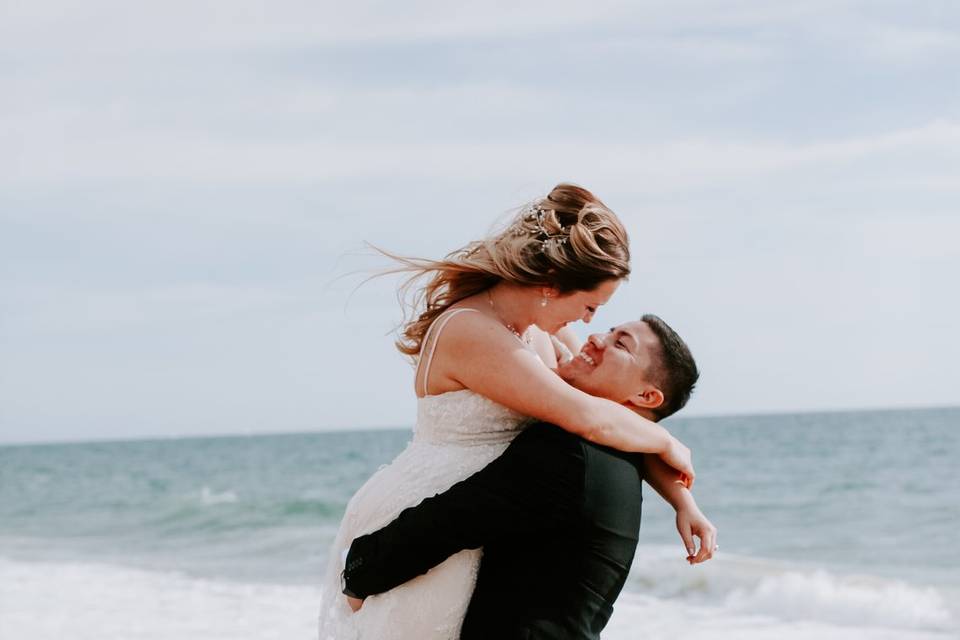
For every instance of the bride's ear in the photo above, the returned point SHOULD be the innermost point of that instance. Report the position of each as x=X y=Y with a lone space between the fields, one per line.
x=549 y=292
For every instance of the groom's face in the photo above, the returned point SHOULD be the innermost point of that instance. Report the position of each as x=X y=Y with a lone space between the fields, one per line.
x=616 y=365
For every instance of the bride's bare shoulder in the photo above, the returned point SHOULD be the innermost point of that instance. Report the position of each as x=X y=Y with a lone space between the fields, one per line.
x=466 y=334
x=466 y=326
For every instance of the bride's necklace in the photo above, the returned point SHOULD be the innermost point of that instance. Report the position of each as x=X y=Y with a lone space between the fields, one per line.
x=524 y=337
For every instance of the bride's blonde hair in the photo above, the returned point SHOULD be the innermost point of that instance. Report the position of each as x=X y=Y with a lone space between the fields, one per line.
x=568 y=240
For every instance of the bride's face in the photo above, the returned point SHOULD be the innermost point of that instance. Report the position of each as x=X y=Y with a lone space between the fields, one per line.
x=563 y=309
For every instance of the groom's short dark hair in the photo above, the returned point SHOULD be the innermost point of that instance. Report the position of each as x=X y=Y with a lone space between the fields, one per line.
x=674 y=370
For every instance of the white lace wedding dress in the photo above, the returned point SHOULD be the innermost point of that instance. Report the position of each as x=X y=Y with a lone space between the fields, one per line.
x=457 y=434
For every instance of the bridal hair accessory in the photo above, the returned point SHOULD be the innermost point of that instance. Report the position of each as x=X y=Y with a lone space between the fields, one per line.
x=534 y=213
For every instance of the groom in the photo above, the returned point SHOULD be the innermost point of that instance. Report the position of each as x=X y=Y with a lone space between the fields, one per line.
x=558 y=517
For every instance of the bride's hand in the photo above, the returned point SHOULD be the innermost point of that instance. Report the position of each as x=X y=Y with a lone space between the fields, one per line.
x=677 y=456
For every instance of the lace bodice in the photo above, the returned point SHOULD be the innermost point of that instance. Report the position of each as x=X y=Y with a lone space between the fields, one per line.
x=462 y=417
x=465 y=418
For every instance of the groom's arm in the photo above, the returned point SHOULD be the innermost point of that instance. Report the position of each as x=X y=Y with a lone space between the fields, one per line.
x=691 y=523
x=534 y=486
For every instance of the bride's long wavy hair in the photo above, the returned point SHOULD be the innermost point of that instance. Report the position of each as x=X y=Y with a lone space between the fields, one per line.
x=568 y=240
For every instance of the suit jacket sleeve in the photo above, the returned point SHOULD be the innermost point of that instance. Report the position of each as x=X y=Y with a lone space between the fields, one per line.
x=535 y=486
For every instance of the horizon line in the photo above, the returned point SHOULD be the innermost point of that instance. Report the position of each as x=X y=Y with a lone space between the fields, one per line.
x=375 y=428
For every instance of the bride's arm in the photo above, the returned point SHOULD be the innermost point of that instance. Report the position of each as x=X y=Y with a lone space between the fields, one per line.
x=490 y=361
x=570 y=339
x=554 y=349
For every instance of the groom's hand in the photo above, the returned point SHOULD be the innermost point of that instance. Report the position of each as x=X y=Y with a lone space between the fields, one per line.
x=691 y=523
x=355 y=603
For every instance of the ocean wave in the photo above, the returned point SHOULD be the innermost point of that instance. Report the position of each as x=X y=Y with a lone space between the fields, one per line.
x=52 y=600
x=638 y=616
x=822 y=596
x=49 y=601
x=789 y=592
x=211 y=497
x=194 y=515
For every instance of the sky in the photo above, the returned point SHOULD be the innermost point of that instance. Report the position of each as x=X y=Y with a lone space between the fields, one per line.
x=187 y=190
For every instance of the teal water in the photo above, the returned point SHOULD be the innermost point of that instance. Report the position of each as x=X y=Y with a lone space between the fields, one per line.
x=857 y=492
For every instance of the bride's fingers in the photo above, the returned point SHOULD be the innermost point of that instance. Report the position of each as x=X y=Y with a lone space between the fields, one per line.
x=355 y=603
x=685 y=480
x=708 y=545
x=687 y=536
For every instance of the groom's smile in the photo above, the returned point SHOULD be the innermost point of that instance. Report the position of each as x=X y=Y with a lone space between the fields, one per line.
x=615 y=365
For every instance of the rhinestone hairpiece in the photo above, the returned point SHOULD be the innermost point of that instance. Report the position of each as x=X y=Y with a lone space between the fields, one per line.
x=535 y=213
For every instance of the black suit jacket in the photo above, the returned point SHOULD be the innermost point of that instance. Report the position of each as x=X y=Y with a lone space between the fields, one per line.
x=558 y=518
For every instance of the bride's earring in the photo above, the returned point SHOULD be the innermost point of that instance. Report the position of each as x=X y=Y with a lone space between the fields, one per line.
x=543 y=301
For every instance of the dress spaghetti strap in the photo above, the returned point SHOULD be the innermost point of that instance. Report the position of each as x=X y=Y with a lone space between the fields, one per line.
x=430 y=344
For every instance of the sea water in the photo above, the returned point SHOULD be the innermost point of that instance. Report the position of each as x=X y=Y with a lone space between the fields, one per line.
x=836 y=525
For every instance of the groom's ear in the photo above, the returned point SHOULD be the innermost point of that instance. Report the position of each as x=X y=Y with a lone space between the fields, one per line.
x=649 y=398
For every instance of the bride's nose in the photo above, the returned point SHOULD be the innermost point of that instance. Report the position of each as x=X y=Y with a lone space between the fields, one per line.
x=596 y=340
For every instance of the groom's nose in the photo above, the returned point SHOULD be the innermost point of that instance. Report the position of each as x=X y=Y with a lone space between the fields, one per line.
x=597 y=340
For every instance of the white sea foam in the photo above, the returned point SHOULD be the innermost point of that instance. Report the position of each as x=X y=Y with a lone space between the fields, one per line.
x=637 y=616
x=791 y=593
x=788 y=589
x=821 y=596
x=209 y=496
x=47 y=601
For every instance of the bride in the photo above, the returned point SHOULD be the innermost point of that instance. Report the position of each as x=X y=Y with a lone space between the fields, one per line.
x=491 y=324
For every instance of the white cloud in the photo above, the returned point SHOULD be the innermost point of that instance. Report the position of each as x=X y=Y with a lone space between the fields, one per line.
x=37 y=310
x=658 y=167
x=47 y=30
x=107 y=26
x=898 y=43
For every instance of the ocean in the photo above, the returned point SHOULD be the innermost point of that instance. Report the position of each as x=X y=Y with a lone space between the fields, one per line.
x=831 y=525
